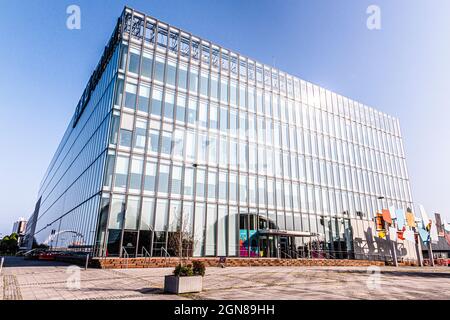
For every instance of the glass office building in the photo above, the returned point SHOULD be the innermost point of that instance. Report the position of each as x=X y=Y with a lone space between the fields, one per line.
x=175 y=132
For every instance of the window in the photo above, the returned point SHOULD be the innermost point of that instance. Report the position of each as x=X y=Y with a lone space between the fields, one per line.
x=125 y=138
x=204 y=81
x=157 y=102
x=243 y=189
x=193 y=81
x=140 y=136
x=121 y=177
x=211 y=219
x=223 y=186
x=178 y=143
x=161 y=215
x=224 y=120
x=190 y=146
x=233 y=187
x=181 y=108
x=224 y=91
x=168 y=106
x=213 y=117
x=153 y=141
x=192 y=111
x=214 y=87
x=222 y=224
x=212 y=150
x=166 y=143
x=171 y=73
x=150 y=176
x=144 y=98
x=147 y=215
x=163 y=184
x=182 y=76
x=223 y=152
x=147 y=66
x=117 y=212
x=211 y=185
x=252 y=190
x=189 y=182
x=109 y=170
x=134 y=61
x=130 y=96
x=233 y=93
x=119 y=92
x=242 y=96
x=176 y=180
x=202 y=147
x=159 y=69
x=200 y=185
x=251 y=99
x=137 y=165
x=114 y=135
x=203 y=115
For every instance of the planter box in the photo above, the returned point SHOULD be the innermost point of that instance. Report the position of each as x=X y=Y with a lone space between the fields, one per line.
x=179 y=285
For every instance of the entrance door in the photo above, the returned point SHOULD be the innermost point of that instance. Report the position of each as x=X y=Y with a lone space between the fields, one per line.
x=145 y=243
x=284 y=247
x=129 y=243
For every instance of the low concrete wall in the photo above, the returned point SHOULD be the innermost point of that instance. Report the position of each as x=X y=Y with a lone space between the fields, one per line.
x=121 y=263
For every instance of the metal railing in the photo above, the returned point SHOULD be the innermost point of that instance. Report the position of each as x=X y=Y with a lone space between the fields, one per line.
x=146 y=255
x=125 y=255
x=166 y=254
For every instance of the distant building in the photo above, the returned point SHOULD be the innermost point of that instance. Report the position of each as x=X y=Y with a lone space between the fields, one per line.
x=20 y=226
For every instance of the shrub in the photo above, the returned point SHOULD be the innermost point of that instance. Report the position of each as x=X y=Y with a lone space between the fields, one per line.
x=183 y=271
x=199 y=268
x=196 y=269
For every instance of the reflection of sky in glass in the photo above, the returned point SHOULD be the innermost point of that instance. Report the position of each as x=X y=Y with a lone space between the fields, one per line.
x=402 y=70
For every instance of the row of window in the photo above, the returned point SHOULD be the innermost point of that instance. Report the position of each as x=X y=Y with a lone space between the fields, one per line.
x=171 y=107
x=224 y=151
x=292 y=87
x=136 y=176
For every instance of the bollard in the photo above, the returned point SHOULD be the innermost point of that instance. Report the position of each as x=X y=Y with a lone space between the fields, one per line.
x=1 y=264
x=87 y=262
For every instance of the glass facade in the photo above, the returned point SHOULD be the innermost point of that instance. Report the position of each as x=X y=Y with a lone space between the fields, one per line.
x=182 y=130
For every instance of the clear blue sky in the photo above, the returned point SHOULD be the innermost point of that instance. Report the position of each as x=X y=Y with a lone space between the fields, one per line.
x=403 y=70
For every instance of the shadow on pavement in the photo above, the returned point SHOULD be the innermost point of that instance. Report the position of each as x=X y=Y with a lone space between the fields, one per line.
x=16 y=262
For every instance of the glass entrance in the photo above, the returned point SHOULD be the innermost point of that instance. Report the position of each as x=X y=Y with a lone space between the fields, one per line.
x=145 y=243
x=129 y=243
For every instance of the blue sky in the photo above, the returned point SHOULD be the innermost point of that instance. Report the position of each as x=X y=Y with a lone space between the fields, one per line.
x=403 y=70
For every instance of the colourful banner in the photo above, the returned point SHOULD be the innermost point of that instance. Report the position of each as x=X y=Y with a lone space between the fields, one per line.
x=392 y=212
x=439 y=225
x=393 y=233
x=400 y=214
x=410 y=219
x=387 y=216
x=424 y=235
x=434 y=233
x=243 y=243
x=424 y=214
x=409 y=235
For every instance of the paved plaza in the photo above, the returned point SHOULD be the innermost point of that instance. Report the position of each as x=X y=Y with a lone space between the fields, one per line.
x=31 y=280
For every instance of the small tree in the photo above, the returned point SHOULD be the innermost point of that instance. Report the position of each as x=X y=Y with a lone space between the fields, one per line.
x=181 y=242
